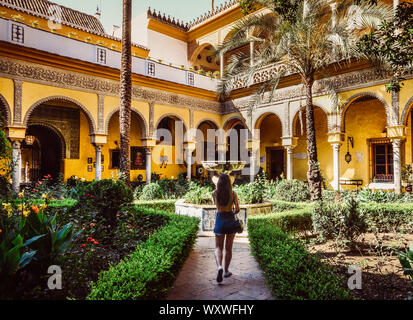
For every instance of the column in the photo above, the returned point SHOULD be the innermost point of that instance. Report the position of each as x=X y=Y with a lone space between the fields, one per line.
x=396 y=165
x=289 y=162
x=221 y=65
x=336 y=166
x=16 y=165
x=251 y=53
x=253 y=166
x=395 y=5
x=188 y=164
x=98 y=149
x=148 y=165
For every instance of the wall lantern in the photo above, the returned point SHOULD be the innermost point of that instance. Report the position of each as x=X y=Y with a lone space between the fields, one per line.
x=29 y=140
x=347 y=157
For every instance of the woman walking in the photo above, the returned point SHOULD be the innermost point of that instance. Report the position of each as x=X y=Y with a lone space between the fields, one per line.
x=226 y=226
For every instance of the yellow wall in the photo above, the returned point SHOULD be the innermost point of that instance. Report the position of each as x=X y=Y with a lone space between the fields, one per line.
x=363 y=120
x=270 y=135
x=7 y=91
x=324 y=149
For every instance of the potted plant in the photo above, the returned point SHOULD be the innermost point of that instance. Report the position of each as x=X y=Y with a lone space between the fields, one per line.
x=216 y=74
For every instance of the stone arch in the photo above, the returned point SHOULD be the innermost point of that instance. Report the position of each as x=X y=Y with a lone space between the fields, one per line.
x=144 y=128
x=57 y=132
x=92 y=125
x=6 y=108
x=294 y=118
x=235 y=119
x=170 y=115
x=198 y=50
x=207 y=120
x=353 y=98
x=263 y=115
x=405 y=113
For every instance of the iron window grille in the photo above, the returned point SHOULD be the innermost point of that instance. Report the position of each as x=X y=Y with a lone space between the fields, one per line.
x=101 y=56
x=17 y=33
x=191 y=79
x=151 y=69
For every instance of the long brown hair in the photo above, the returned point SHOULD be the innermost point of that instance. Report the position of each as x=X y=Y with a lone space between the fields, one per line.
x=224 y=190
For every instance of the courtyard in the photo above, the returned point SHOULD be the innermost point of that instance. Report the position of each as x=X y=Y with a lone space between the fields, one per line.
x=111 y=149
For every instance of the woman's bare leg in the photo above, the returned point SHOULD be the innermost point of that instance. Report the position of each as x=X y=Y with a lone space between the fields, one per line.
x=219 y=246
x=228 y=250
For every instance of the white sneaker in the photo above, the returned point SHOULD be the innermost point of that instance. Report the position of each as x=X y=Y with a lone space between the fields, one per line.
x=227 y=274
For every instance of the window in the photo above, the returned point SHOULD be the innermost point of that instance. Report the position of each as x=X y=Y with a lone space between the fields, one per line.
x=101 y=55
x=383 y=162
x=151 y=69
x=191 y=79
x=115 y=157
x=17 y=33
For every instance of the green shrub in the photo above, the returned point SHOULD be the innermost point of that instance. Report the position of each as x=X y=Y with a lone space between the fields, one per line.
x=339 y=221
x=106 y=196
x=383 y=197
x=293 y=220
x=198 y=195
x=157 y=205
x=149 y=272
x=292 y=190
x=388 y=217
x=152 y=191
x=280 y=206
x=290 y=271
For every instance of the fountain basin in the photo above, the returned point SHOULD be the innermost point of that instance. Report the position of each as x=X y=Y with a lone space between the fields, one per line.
x=207 y=213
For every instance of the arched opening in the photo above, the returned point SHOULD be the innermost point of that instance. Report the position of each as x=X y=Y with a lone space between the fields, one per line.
x=324 y=151
x=111 y=150
x=4 y=113
x=44 y=156
x=59 y=124
x=406 y=119
x=168 y=154
x=364 y=122
x=237 y=138
x=204 y=58
x=272 y=153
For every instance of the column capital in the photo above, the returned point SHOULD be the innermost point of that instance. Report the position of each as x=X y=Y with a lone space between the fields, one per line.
x=253 y=144
x=291 y=142
x=335 y=137
x=16 y=132
x=396 y=132
x=99 y=139
x=190 y=145
x=148 y=143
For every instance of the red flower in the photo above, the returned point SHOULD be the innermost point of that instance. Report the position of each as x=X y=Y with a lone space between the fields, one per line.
x=95 y=242
x=83 y=245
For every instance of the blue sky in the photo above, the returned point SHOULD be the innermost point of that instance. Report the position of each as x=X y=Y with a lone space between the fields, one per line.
x=112 y=9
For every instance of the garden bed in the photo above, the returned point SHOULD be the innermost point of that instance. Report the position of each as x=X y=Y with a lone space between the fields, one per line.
x=91 y=253
x=382 y=274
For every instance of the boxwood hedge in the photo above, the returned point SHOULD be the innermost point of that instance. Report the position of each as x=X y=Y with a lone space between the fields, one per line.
x=158 y=205
x=290 y=271
x=149 y=272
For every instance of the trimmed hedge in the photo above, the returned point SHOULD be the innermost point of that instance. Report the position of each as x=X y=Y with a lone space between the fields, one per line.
x=280 y=206
x=388 y=217
x=294 y=220
x=290 y=271
x=157 y=205
x=149 y=272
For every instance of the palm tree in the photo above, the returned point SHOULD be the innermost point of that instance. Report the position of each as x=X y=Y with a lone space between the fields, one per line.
x=315 y=37
x=125 y=91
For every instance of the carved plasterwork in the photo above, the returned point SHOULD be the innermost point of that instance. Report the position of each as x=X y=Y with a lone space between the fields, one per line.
x=66 y=79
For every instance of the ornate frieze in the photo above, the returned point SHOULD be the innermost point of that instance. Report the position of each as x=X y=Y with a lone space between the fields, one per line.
x=18 y=91
x=342 y=82
x=67 y=79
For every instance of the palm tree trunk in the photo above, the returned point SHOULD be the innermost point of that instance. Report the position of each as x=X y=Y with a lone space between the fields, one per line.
x=125 y=91
x=313 y=174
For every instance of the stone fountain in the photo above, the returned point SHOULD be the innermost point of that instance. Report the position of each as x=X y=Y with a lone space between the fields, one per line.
x=207 y=213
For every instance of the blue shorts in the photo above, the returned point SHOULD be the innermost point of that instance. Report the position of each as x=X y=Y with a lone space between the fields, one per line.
x=225 y=223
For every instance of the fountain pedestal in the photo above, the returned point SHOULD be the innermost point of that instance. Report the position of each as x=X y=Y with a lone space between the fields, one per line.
x=207 y=213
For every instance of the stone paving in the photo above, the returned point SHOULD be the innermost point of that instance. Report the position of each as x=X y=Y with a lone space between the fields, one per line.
x=196 y=281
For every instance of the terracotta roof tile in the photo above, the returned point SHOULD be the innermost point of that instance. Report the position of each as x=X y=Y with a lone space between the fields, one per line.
x=70 y=17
